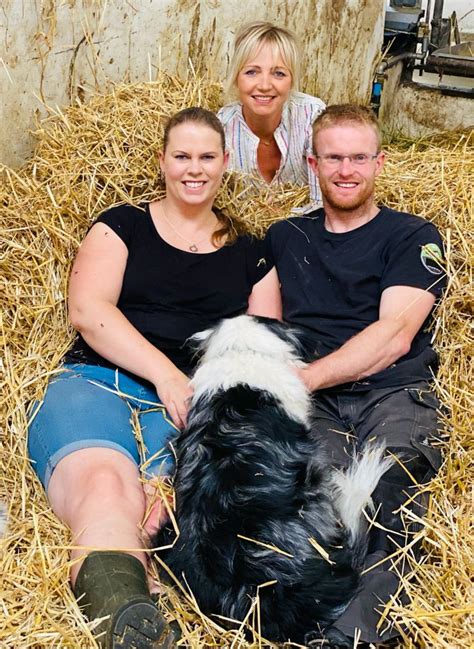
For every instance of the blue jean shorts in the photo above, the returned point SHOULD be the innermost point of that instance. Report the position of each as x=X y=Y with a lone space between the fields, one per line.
x=88 y=406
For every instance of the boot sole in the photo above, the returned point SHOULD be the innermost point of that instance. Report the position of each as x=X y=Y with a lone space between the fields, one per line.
x=140 y=625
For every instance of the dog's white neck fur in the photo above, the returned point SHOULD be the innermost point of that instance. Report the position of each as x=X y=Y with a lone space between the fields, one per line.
x=242 y=350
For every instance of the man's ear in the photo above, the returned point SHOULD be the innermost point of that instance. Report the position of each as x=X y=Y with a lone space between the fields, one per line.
x=313 y=162
x=379 y=163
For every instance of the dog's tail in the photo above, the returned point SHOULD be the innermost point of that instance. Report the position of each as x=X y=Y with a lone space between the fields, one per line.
x=355 y=485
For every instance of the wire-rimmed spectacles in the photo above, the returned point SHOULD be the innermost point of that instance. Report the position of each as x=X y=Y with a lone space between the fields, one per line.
x=333 y=159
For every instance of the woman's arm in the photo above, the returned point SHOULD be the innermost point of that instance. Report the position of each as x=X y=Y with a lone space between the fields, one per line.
x=94 y=290
x=265 y=298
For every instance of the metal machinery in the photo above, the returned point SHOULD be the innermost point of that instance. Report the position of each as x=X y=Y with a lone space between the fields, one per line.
x=427 y=43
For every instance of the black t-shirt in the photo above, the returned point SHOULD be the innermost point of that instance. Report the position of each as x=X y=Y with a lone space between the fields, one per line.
x=170 y=294
x=332 y=283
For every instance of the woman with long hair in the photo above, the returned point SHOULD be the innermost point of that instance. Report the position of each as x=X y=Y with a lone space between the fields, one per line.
x=144 y=280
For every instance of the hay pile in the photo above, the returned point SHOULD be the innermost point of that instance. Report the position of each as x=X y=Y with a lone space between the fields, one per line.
x=96 y=155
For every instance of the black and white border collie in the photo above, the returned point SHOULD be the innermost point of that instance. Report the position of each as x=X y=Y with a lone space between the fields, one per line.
x=256 y=501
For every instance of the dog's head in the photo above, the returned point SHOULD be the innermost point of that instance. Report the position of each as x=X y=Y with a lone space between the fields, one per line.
x=249 y=335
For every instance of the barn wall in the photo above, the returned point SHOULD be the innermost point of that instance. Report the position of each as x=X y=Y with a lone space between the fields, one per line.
x=55 y=51
x=414 y=110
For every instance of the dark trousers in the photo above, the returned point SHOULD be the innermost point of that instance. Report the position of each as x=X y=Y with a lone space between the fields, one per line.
x=405 y=419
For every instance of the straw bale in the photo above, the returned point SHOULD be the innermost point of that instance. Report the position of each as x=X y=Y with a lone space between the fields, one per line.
x=91 y=156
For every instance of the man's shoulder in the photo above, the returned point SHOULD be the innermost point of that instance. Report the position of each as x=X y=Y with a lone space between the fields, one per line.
x=405 y=222
x=412 y=253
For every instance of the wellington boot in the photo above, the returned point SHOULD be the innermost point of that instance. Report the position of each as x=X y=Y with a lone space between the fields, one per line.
x=114 y=584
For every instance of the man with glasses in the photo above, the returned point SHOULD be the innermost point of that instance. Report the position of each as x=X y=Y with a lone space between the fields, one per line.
x=362 y=281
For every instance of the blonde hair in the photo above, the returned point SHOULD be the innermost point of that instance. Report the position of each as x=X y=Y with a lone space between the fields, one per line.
x=338 y=114
x=250 y=38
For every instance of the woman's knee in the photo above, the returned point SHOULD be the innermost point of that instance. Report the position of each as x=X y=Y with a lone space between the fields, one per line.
x=100 y=478
x=77 y=415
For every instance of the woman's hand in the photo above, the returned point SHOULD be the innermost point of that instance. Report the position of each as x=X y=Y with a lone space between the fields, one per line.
x=175 y=392
x=94 y=290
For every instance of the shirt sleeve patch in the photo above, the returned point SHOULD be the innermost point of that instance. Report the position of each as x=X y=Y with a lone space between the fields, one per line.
x=432 y=258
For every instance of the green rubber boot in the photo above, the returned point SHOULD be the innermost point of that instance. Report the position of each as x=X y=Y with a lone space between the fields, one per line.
x=115 y=584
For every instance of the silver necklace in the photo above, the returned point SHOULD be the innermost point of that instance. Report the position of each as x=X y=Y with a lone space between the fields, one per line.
x=192 y=246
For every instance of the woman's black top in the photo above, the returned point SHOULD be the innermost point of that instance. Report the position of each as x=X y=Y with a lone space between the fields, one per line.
x=170 y=294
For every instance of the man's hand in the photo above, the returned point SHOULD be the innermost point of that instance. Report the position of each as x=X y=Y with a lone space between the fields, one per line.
x=306 y=376
x=301 y=370
x=403 y=309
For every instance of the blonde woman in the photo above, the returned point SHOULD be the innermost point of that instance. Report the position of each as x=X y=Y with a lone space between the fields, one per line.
x=269 y=127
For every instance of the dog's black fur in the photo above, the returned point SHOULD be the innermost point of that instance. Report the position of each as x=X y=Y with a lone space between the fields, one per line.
x=248 y=468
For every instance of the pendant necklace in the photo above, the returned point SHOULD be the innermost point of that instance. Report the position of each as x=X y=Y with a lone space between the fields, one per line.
x=192 y=246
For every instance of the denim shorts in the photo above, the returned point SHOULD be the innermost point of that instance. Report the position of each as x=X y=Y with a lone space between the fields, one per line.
x=88 y=406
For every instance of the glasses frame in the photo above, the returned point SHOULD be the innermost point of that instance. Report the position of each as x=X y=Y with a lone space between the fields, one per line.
x=334 y=159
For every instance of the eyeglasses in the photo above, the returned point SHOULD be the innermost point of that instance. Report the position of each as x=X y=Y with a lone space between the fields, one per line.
x=333 y=160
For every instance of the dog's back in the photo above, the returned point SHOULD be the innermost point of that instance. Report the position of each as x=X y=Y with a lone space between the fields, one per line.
x=255 y=495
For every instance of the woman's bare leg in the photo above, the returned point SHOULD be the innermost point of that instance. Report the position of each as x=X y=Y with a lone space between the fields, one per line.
x=97 y=493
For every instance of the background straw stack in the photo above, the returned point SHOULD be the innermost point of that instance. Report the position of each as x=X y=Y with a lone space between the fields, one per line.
x=95 y=155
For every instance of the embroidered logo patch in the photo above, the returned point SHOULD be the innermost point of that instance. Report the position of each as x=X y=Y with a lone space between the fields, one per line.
x=432 y=258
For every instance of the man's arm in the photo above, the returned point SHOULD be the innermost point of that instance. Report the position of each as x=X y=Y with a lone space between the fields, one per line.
x=403 y=309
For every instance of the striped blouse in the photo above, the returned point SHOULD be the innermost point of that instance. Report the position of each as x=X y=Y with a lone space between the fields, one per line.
x=293 y=137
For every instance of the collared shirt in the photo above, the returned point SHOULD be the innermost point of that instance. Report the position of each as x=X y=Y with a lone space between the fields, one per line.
x=293 y=137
